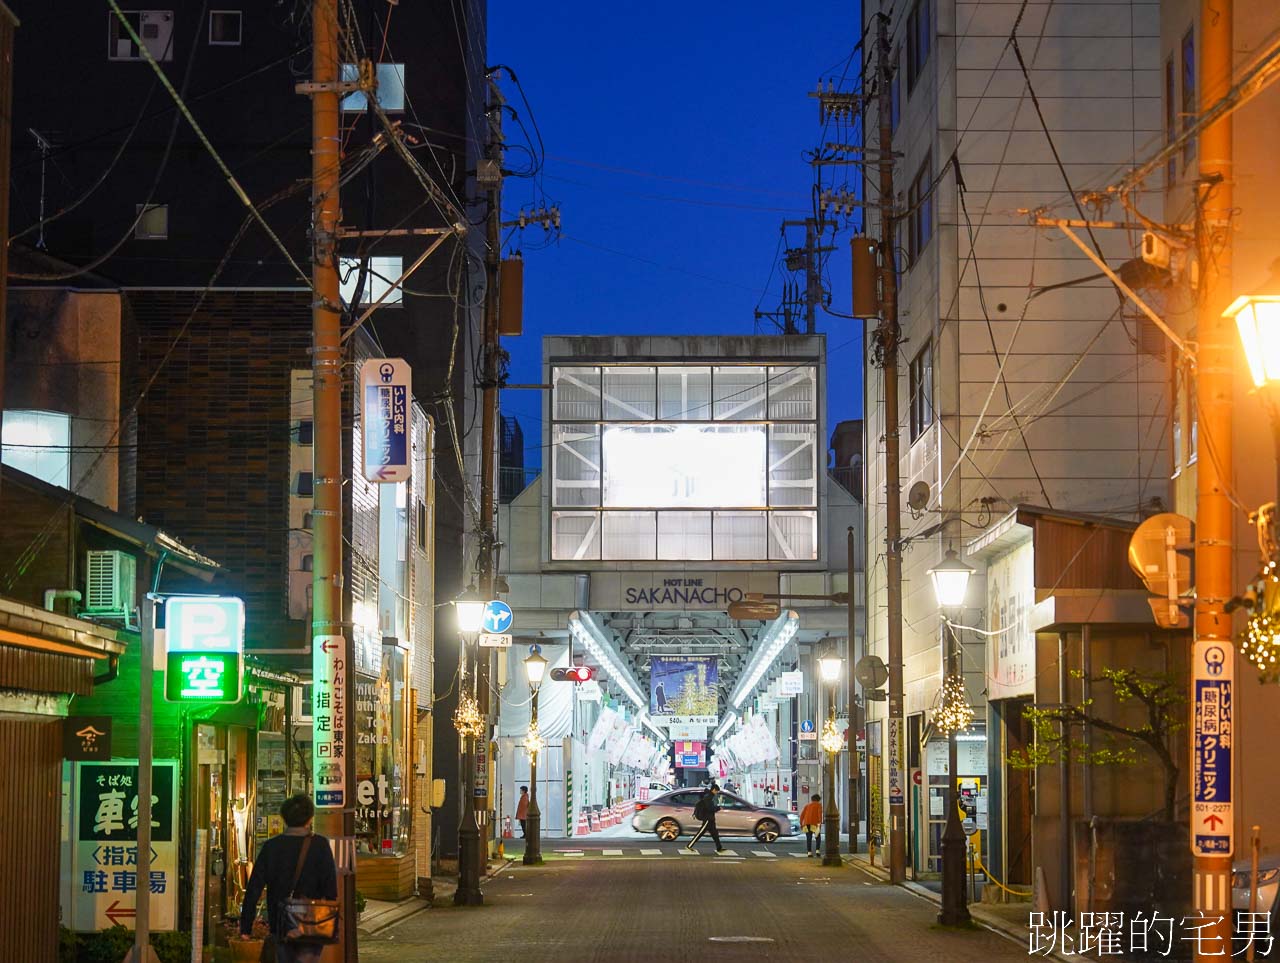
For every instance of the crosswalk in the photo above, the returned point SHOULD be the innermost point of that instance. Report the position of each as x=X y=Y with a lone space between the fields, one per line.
x=677 y=851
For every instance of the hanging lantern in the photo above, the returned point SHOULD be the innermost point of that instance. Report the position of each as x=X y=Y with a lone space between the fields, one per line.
x=831 y=740
x=955 y=714
x=467 y=719
x=533 y=740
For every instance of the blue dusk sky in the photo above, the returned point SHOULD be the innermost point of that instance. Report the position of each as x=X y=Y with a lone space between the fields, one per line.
x=675 y=141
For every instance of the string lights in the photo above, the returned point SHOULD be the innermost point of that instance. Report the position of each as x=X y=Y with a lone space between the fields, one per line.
x=1261 y=644
x=467 y=719
x=831 y=740
x=955 y=714
x=533 y=741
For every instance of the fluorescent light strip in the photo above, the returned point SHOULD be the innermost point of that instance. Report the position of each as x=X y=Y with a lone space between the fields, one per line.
x=604 y=655
x=724 y=726
x=780 y=632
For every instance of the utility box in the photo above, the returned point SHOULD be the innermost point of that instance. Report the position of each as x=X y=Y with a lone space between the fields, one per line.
x=866 y=278
x=511 y=297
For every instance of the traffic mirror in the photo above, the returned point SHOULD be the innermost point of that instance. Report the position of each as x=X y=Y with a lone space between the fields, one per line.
x=1159 y=553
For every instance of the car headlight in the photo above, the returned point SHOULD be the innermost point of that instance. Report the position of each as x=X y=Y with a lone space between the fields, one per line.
x=1240 y=880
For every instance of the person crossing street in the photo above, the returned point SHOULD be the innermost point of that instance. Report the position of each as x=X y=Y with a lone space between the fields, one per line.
x=706 y=810
x=811 y=823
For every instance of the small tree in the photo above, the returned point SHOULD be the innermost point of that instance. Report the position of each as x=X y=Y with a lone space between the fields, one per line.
x=1059 y=728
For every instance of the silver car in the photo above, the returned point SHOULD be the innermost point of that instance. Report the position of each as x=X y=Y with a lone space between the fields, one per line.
x=1268 y=899
x=670 y=816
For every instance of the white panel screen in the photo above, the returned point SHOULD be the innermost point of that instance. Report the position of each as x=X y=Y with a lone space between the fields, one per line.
x=575 y=394
x=678 y=466
x=793 y=393
x=684 y=394
x=740 y=535
x=575 y=466
x=739 y=393
x=684 y=535
x=793 y=465
x=629 y=535
x=629 y=394
x=793 y=536
x=575 y=535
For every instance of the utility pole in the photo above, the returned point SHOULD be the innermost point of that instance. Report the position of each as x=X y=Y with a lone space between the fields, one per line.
x=326 y=365
x=854 y=807
x=806 y=259
x=1214 y=385
x=886 y=337
x=472 y=855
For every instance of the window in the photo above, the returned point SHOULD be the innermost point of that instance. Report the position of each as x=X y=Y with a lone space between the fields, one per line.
x=1170 y=119
x=224 y=28
x=1188 y=95
x=390 y=89
x=422 y=525
x=919 y=35
x=383 y=272
x=39 y=443
x=895 y=93
x=302 y=486
x=306 y=431
x=153 y=222
x=920 y=208
x=154 y=27
x=308 y=563
x=920 y=385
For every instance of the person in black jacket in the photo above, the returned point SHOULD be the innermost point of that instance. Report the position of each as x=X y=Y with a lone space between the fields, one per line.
x=274 y=869
x=706 y=810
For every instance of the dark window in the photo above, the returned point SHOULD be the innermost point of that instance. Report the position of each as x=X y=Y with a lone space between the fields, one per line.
x=306 y=431
x=1188 y=94
x=307 y=522
x=921 y=387
x=308 y=563
x=224 y=28
x=920 y=208
x=684 y=798
x=895 y=93
x=304 y=484
x=422 y=526
x=919 y=35
x=1170 y=119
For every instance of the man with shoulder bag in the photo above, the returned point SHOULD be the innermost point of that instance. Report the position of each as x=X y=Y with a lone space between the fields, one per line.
x=301 y=881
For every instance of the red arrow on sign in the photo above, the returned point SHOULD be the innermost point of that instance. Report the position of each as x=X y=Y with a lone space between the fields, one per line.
x=116 y=912
x=327 y=646
x=1213 y=821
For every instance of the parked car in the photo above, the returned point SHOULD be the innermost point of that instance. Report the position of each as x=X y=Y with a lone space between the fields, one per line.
x=1268 y=889
x=670 y=816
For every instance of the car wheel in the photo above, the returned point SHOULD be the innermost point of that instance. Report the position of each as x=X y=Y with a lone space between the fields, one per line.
x=767 y=831
x=668 y=830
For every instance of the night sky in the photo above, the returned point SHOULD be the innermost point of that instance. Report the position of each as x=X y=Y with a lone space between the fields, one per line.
x=675 y=139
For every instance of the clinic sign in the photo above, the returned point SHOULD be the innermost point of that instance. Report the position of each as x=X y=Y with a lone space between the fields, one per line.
x=385 y=391
x=204 y=648
x=1213 y=672
x=330 y=686
x=103 y=884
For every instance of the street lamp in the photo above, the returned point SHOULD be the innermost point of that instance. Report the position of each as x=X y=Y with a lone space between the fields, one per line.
x=950 y=581
x=829 y=670
x=469 y=609
x=535 y=667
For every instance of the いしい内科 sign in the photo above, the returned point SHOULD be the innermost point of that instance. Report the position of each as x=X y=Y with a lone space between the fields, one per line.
x=1213 y=671
x=204 y=648
x=385 y=390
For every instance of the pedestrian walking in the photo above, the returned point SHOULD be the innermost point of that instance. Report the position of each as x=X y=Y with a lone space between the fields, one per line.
x=522 y=810
x=706 y=810
x=298 y=862
x=811 y=823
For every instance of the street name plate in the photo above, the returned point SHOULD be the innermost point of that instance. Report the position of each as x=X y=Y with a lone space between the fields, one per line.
x=1212 y=821
x=489 y=640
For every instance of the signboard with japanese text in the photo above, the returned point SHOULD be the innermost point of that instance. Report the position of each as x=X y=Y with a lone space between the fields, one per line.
x=791 y=683
x=386 y=392
x=329 y=693
x=684 y=689
x=1213 y=671
x=1011 y=599
x=204 y=648
x=897 y=781
x=104 y=825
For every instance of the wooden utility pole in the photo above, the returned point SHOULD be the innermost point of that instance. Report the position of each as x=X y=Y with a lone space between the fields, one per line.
x=853 y=710
x=1214 y=385
x=326 y=366
x=886 y=338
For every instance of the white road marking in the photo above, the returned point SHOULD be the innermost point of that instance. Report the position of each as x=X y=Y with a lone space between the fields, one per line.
x=686 y=852
x=610 y=852
x=727 y=852
x=801 y=855
x=570 y=852
x=650 y=852
x=764 y=852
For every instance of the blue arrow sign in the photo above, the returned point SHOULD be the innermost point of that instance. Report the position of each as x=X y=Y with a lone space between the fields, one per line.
x=497 y=617
x=806 y=725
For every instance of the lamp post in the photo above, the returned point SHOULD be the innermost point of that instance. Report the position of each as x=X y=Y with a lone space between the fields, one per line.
x=829 y=669
x=534 y=666
x=1257 y=318
x=950 y=580
x=469 y=608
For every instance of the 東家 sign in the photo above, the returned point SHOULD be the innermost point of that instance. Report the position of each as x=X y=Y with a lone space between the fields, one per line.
x=1213 y=668
x=204 y=648
x=329 y=690
x=86 y=737
x=385 y=388
x=104 y=853
x=498 y=617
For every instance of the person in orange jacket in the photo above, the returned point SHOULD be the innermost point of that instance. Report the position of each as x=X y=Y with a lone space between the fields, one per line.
x=811 y=823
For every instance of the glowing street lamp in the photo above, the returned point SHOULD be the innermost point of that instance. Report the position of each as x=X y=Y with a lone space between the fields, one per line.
x=950 y=580
x=1257 y=318
x=831 y=744
x=829 y=668
x=535 y=667
x=469 y=608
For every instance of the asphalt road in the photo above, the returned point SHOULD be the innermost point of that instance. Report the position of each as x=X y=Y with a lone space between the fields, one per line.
x=658 y=906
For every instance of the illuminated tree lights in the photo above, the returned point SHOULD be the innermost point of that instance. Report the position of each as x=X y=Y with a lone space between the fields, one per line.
x=467 y=719
x=1261 y=644
x=955 y=714
x=831 y=740
x=533 y=741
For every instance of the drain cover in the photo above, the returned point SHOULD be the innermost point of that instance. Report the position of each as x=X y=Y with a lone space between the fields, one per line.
x=740 y=939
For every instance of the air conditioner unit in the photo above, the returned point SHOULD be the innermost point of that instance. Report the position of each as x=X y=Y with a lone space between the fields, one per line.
x=111 y=584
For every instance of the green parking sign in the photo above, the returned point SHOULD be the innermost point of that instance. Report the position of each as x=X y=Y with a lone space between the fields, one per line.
x=204 y=648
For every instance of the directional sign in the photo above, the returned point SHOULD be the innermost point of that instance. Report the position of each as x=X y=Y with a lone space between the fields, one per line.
x=331 y=680
x=498 y=617
x=897 y=794
x=386 y=391
x=490 y=640
x=806 y=725
x=1211 y=817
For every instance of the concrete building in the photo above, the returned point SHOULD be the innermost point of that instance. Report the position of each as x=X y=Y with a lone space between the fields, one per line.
x=681 y=473
x=1024 y=378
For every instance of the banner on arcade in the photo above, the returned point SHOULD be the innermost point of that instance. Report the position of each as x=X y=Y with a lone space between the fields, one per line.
x=684 y=689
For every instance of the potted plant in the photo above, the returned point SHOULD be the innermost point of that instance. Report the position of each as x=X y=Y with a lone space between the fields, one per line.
x=245 y=950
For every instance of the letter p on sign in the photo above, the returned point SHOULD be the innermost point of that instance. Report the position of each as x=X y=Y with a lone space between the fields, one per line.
x=204 y=624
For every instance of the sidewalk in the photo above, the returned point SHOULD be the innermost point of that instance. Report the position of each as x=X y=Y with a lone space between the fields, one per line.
x=380 y=914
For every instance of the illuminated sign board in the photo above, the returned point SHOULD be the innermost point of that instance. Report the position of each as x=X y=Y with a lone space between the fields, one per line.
x=204 y=648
